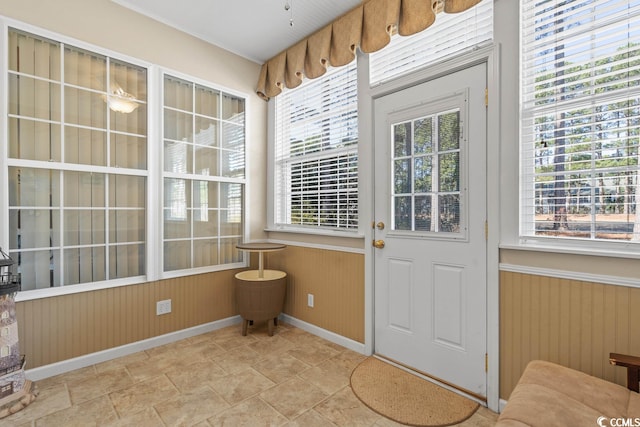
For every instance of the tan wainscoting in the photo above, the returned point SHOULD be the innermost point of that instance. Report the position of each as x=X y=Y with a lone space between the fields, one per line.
x=336 y=280
x=59 y=328
x=570 y=322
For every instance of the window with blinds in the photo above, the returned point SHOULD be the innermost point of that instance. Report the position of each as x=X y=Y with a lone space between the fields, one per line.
x=316 y=153
x=451 y=34
x=77 y=164
x=580 y=99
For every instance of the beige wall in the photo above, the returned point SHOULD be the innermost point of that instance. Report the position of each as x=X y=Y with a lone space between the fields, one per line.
x=570 y=322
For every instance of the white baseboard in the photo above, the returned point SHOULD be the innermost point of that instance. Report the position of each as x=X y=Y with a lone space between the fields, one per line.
x=503 y=403
x=323 y=333
x=57 y=368
x=68 y=365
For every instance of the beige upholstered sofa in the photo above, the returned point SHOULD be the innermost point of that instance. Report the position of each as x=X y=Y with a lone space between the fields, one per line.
x=552 y=395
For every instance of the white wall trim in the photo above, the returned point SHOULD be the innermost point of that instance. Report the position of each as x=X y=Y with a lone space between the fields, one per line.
x=503 y=403
x=68 y=365
x=572 y=275
x=323 y=333
x=318 y=246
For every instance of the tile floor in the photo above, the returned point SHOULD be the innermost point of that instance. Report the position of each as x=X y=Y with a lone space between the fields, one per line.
x=216 y=379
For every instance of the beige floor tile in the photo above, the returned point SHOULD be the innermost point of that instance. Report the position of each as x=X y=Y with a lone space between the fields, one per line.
x=274 y=345
x=280 y=367
x=204 y=372
x=140 y=396
x=91 y=413
x=191 y=407
x=147 y=418
x=94 y=386
x=293 y=397
x=313 y=353
x=344 y=409
x=144 y=370
x=327 y=376
x=121 y=362
x=252 y=412
x=237 y=387
x=237 y=359
x=310 y=419
x=52 y=399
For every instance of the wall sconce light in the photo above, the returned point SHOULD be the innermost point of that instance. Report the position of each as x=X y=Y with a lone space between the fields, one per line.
x=121 y=101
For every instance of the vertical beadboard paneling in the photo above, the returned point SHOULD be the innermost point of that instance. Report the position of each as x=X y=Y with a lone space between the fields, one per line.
x=59 y=328
x=570 y=322
x=335 y=278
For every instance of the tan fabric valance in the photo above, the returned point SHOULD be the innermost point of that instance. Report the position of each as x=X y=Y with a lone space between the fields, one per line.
x=368 y=27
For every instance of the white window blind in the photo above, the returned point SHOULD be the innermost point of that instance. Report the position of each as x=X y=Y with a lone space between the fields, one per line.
x=316 y=153
x=451 y=34
x=580 y=119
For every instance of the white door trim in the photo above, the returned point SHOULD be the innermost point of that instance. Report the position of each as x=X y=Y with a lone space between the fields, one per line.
x=490 y=55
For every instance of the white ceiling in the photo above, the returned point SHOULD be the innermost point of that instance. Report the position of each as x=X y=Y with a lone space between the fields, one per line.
x=254 y=29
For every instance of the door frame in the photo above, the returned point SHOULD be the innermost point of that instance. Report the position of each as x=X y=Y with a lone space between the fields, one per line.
x=491 y=56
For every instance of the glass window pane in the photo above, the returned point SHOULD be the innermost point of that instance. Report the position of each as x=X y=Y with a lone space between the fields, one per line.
x=85 y=69
x=178 y=157
x=178 y=126
x=33 y=140
x=38 y=269
x=126 y=261
x=126 y=225
x=422 y=213
x=177 y=255
x=127 y=191
x=85 y=146
x=34 y=228
x=449 y=131
x=205 y=252
x=128 y=151
x=449 y=213
x=34 y=55
x=84 y=108
x=233 y=109
x=232 y=136
x=402 y=176
x=228 y=251
x=128 y=77
x=423 y=135
x=422 y=179
x=402 y=139
x=206 y=132
x=233 y=164
x=34 y=187
x=178 y=94
x=134 y=122
x=207 y=101
x=84 y=189
x=82 y=265
x=84 y=227
x=206 y=161
x=34 y=98
x=449 y=169
x=402 y=213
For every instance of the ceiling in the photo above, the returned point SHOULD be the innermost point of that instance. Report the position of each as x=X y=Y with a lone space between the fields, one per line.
x=254 y=29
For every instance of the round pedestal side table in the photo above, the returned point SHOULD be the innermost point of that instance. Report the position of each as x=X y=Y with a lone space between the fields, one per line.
x=260 y=293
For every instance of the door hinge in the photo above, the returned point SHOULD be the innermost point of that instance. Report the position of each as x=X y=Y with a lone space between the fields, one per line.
x=486 y=230
x=486 y=96
x=486 y=362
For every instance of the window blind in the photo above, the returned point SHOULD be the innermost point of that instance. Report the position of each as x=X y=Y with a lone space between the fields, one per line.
x=450 y=34
x=580 y=99
x=316 y=153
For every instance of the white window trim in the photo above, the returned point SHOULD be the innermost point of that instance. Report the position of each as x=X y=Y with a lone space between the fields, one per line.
x=153 y=173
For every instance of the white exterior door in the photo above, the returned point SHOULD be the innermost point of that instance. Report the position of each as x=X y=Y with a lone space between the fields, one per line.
x=430 y=211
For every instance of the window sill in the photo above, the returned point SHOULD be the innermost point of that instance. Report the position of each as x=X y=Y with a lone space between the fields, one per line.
x=316 y=232
x=577 y=247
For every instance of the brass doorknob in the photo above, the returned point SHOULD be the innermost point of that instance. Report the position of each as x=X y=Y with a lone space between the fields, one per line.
x=378 y=244
x=380 y=225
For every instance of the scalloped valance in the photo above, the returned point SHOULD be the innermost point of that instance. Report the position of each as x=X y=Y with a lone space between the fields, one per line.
x=369 y=26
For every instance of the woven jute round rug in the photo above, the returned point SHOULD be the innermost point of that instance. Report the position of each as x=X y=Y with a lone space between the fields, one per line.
x=407 y=398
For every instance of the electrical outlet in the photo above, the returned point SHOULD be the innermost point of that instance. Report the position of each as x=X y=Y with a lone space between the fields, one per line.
x=163 y=307
x=310 y=300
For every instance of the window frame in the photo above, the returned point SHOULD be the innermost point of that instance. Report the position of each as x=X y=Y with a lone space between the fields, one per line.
x=553 y=244
x=152 y=174
x=272 y=224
